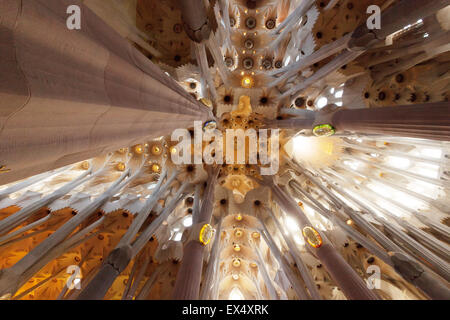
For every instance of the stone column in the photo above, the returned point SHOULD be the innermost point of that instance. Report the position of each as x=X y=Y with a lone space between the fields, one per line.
x=425 y=121
x=187 y=285
x=117 y=261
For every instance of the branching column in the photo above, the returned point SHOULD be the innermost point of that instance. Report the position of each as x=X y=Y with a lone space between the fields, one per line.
x=426 y=121
x=347 y=279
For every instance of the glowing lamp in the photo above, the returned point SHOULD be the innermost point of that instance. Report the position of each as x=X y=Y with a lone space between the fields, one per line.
x=156 y=150
x=138 y=149
x=255 y=235
x=120 y=166
x=238 y=217
x=236 y=263
x=156 y=168
x=173 y=150
x=313 y=237
x=206 y=234
x=238 y=233
x=247 y=82
x=324 y=130
x=237 y=248
x=187 y=221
